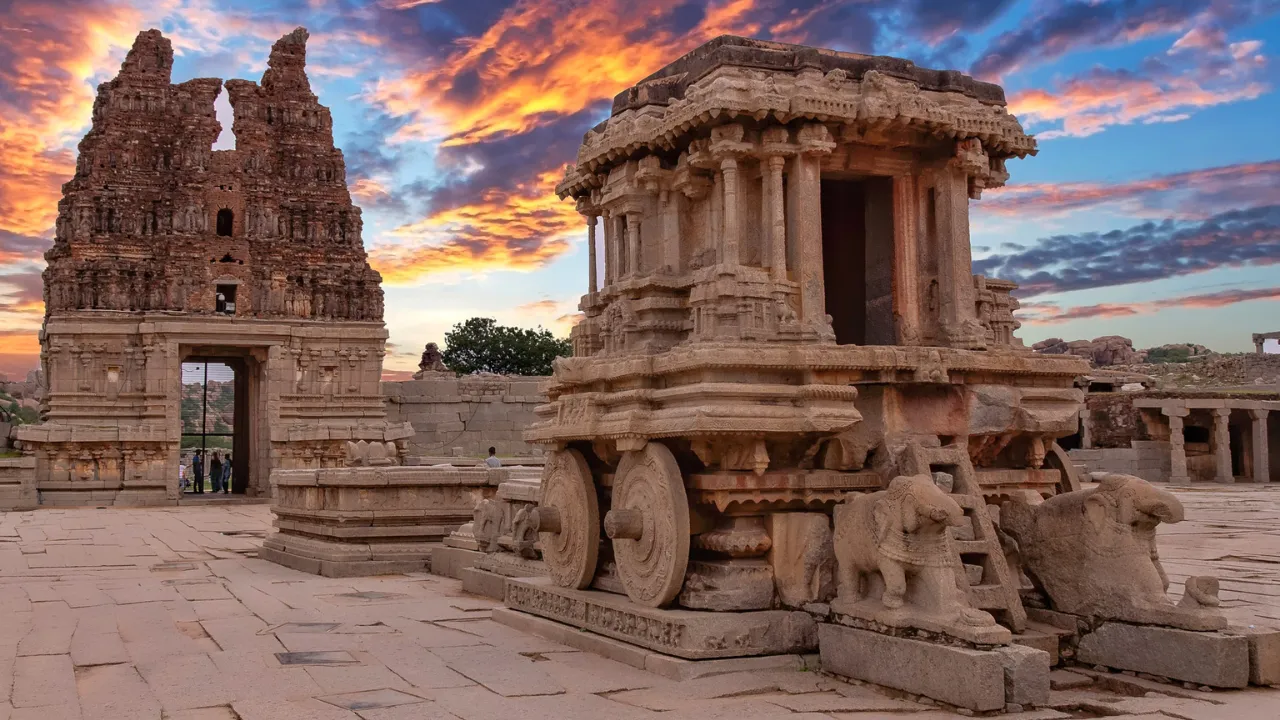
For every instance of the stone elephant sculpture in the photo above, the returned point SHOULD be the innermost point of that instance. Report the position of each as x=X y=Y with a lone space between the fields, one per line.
x=1093 y=553
x=900 y=535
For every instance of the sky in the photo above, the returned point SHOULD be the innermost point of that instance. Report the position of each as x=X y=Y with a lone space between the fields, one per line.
x=1152 y=209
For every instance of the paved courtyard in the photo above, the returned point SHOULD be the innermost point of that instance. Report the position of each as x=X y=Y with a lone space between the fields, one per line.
x=118 y=614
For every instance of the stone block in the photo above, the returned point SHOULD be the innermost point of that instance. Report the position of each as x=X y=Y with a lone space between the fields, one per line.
x=483 y=582
x=1026 y=675
x=1205 y=658
x=451 y=561
x=1264 y=654
x=689 y=634
x=973 y=679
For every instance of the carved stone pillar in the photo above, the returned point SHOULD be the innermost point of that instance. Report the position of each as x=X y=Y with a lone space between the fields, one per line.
x=1177 y=447
x=774 y=211
x=1086 y=430
x=670 y=229
x=633 y=244
x=1261 y=451
x=591 y=255
x=1222 y=445
x=804 y=194
x=957 y=308
x=906 y=271
x=729 y=245
x=609 y=266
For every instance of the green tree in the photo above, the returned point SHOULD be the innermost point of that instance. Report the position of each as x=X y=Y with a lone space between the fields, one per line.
x=482 y=345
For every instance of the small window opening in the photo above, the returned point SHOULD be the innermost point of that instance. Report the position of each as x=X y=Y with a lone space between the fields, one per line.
x=226 y=220
x=228 y=259
x=225 y=300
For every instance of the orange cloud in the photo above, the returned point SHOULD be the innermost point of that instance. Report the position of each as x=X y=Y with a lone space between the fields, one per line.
x=48 y=96
x=1046 y=313
x=369 y=190
x=520 y=229
x=539 y=61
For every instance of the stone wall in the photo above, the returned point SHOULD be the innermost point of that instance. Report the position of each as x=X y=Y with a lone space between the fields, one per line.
x=17 y=483
x=472 y=412
x=1148 y=459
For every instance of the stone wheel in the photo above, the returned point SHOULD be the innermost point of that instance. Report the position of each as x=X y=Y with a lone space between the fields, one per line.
x=649 y=524
x=570 y=551
x=1057 y=459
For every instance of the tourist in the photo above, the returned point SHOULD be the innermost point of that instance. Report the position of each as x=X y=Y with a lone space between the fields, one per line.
x=197 y=468
x=493 y=461
x=215 y=473
x=182 y=476
x=226 y=475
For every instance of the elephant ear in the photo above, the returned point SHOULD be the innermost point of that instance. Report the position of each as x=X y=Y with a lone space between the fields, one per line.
x=881 y=519
x=1096 y=509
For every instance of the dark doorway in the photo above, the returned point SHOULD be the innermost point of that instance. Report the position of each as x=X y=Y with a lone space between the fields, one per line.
x=226 y=221
x=214 y=407
x=857 y=259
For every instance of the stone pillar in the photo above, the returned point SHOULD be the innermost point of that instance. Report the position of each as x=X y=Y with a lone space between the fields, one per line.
x=1086 y=430
x=1222 y=445
x=1177 y=447
x=609 y=241
x=906 y=270
x=804 y=222
x=1261 y=451
x=774 y=210
x=591 y=254
x=670 y=230
x=957 y=308
x=729 y=246
x=633 y=243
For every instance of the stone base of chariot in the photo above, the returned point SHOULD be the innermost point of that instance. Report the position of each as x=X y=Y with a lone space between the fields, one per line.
x=1218 y=659
x=488 y=574
x=688 y=634
x=990 y=678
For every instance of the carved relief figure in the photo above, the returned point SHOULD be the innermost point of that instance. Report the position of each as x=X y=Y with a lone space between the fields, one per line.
x=1093 y=552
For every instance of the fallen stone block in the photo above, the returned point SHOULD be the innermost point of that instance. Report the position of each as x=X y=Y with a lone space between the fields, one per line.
x=1205 y=658
x=1264 y=654
x=1026 y=675
x=967 y=678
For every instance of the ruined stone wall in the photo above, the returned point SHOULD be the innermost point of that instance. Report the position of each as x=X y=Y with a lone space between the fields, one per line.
x=471 y=412
x=1113 y=421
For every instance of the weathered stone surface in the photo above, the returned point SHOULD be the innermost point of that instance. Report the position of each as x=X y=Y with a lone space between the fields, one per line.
x=973 y=679
x=802 y=558
x=1094 y=552
x=1026 y=675
x=1264 y=654
x=1204 y=658
x=683 y=633
x=896 y=562
x=483 y=582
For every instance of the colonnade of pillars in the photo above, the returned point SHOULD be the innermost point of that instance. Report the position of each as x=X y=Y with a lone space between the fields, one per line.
x=1259 y=455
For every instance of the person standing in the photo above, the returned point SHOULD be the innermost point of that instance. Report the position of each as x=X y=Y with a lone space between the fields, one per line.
x=197 y=468
x=226 y=475
x=182 y=475
x=215 y=473
x=493 y=461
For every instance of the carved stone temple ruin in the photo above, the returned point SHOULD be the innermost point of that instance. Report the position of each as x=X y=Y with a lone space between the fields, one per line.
x=168 y=251
x=793 y=413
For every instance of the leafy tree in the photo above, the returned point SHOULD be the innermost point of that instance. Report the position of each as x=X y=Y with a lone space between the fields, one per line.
x=482 y=345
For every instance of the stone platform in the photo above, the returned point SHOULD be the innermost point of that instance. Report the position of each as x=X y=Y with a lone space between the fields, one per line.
x=1217 y=659
x=343 y=522
x=689 y=634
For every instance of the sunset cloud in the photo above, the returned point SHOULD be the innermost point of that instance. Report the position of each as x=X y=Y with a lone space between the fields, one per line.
x=1195 y=194
x=1051 y=314
x=1144 y=252
x=1159 y=92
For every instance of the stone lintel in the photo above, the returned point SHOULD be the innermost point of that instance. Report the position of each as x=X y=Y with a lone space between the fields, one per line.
x=1206 y=658
x=689 y=634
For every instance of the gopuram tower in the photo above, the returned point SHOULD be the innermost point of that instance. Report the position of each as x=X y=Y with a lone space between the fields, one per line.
x=168 y=251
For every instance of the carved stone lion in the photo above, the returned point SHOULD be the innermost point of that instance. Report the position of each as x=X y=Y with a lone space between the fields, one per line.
x=898 y=538
x=1093 y=552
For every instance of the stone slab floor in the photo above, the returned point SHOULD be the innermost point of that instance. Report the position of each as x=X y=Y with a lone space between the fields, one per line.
x=119 y=614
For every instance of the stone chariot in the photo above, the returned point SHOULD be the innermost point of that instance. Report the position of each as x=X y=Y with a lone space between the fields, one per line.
x=788 y=314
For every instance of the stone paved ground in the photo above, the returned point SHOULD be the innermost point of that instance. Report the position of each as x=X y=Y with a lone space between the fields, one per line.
x=164 y=613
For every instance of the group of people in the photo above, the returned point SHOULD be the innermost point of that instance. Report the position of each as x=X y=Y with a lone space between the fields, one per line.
x=219 y=473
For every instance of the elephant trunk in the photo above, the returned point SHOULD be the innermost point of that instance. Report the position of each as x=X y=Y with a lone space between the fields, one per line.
x=1162 y=505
